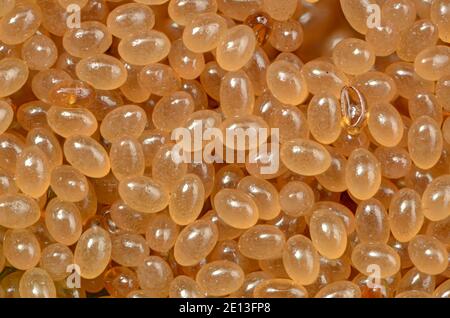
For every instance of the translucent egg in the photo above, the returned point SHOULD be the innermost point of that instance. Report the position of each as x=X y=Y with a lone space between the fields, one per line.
x=236 y=208
x=385 y=124
x=439 y=13
x=425 y=104
x=166 y=168
x=239 y=10
x=301 y=260
x=21 y=248
x=155 y=275
x=129 y=219
x=290 y=121
x=10 y=284
x=130 y=18
x=43 y=82
x=296 y=198
x=195 y=242
x=328 y=234
x=377 y=87
x=405 y=214
x=407 y=80
x=264 y=194
x=144 y=48
x=33 y=172
x=203 y=32
x=71 y=121
x=69 y=184
x=128 y=120
x=120 y=281
x=280 y=288
x=436 y=200
x=11 y=146
x=203 y=121
x=132 y=89
x=339 y=210
x=71 y=93
x=379 y=257
x=93 y=252
x=395 y=162
x=324 y=118
x=185 y=287
x=18 y=211
x=172 y=111
x=32 y=115
x=55 y=17
x=363 y=174
x=280 y=10
x=383 y=38
x=189 y=65
x=237 y=127
x=286 y=36
x=425 y=142
x=305 y=157
x=186 y=200
x=340 y=289
x=211 y=79
x=433 y=62
x=439 y=230
x=159 y=79
x=286 y=83
x=401 y=13
x=36 y=283
x=143 y=194
x=102 y=71
x=92 y=37
x=371 y=220
x=256 y=70
x=182 y=12
x=127 y=158
x=56 y=259
x=151 y=140
x=129 y=249
x=262 y=242
x=428 y=254
x=443 y=290
x=354 y=56
x=39 y=52
x=87 y=155
x=63 y=221
x=413 y=279
x=20 y=23
x=237 y=96
x=235 y=48
x=197 y=92
x=419 y=36
x=220 y=278
x=161 y=233
x=206 y=173
x=13 y=75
